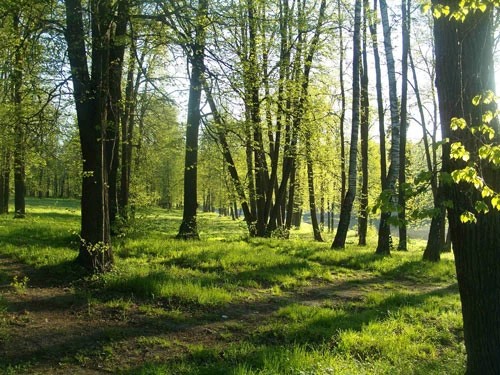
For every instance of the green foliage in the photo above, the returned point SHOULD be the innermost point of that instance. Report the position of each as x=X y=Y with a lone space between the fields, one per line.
x=19 y=284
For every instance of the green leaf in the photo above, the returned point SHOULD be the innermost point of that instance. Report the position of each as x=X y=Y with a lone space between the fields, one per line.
x=426 y=7
x=476 y=100
x=458 y=151
x=458 y=123
x=487 y=192
x=481 y=207
x=468 y=217
x=484 y=151
x=495 y=202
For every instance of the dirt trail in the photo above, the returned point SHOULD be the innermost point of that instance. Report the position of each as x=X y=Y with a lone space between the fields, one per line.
x=65 y=329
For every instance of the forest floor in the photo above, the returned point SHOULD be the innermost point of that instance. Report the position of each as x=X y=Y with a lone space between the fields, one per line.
x=309 y=312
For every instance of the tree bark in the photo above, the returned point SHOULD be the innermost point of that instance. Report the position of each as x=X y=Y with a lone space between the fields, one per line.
x=364 y=124
x=189 y=228
x=343 y=177
x=384 y=234
x=464 y=69
x=310 y=183
x=19 y=129
x=347 y=203
x=114 y=110
x=403 y=240
x=90 y=93
x=4 y=180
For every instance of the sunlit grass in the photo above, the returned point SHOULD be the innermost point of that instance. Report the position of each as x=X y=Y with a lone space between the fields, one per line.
x=364 y=314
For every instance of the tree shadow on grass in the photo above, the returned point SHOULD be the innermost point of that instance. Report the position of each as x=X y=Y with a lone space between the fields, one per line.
x=40 y=236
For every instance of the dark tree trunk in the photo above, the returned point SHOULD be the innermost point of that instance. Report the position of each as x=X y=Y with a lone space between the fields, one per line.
x=364 y=124
x=347 y=202
x=464 y=69
x=90 y=93
x=312 y=198
x=380 y=103
x=189 y=228
x=405 y=9
x=114 y=110
x=127 y=128
x=4 y=181
x=435 y=241
x=19 y=131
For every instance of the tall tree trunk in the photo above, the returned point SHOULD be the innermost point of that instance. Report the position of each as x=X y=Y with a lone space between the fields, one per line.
x=464 y=69
x=380 y=104
x=116 y=55
x=189 y=228
x=347 y=203
x=343 y=178
x=405 y=9
x=90 y=93
x=365 y=111
x=435 y=242
x=19 y=129
x=384 y=233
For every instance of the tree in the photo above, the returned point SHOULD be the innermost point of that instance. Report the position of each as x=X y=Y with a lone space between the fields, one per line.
x=91 y=93
x=405 y=12
x=464 y=70
x=389 y=187
x=364 y=124
x=196 y=56
x=347 y=202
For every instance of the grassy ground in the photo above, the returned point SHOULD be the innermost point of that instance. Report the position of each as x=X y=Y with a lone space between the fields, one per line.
x=223 y=305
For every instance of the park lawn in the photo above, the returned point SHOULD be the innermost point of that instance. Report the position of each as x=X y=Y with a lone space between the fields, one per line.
x=224 y=305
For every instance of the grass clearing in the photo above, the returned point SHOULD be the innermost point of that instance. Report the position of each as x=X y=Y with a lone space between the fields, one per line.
x=227 y=304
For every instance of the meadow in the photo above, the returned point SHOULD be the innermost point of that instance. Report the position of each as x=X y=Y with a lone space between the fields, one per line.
x=227 y=304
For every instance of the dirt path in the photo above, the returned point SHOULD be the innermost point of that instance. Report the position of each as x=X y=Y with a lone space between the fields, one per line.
x=63 y=329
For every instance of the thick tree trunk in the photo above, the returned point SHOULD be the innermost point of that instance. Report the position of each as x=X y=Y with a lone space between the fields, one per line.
x=90 y=92
x=347 y=203
x=464 y=69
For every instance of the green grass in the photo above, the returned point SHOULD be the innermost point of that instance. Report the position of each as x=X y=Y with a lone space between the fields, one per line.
x=229 y=304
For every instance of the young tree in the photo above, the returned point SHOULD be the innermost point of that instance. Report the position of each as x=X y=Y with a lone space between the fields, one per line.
x=405 y=13
x=464 y=69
